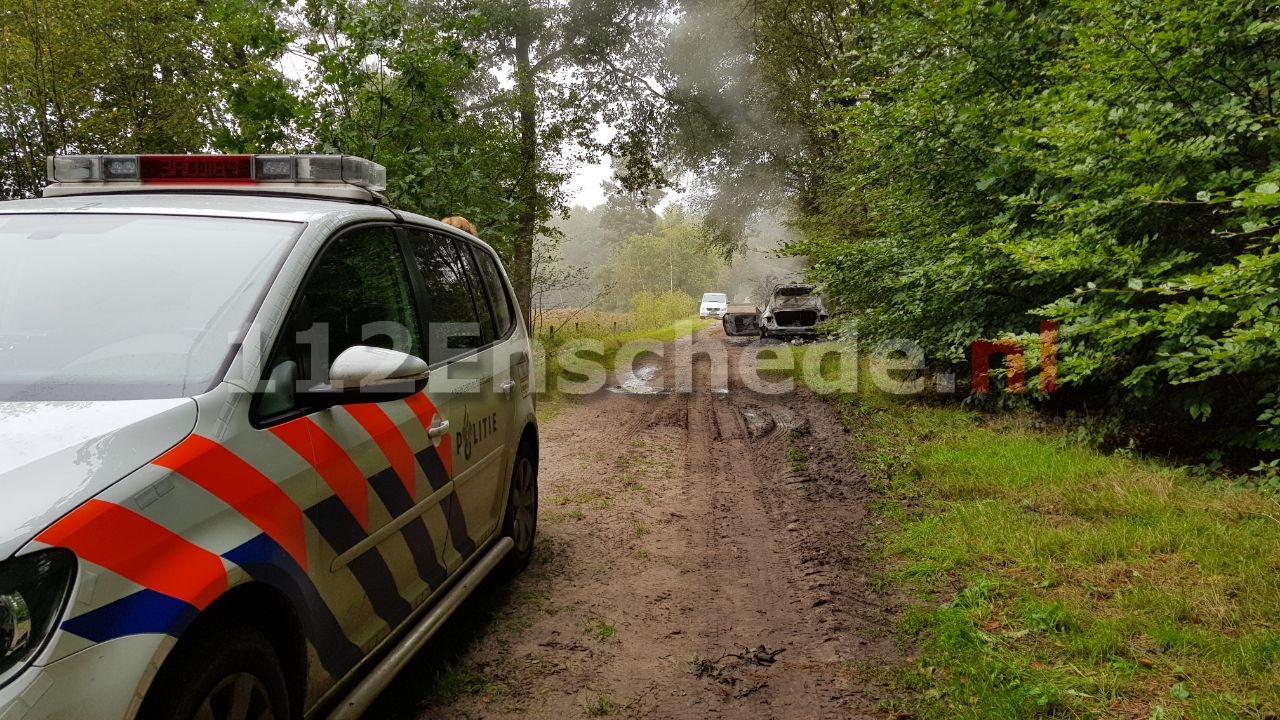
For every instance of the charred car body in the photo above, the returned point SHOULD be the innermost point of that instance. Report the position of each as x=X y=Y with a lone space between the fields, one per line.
x=739 y=320
x=793 y=311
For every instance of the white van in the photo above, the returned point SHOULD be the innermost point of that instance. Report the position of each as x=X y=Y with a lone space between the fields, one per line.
x=713 y=305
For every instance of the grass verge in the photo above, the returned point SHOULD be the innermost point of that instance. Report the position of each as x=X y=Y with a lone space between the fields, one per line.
x=1050 y=580
x=601 y=356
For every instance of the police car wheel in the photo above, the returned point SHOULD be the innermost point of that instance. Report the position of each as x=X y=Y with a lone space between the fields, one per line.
x=231 y=674
x=521 y=521
x=240 y=695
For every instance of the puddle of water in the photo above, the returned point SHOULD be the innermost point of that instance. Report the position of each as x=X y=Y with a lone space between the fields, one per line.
x=758 y=422
x=640 y=382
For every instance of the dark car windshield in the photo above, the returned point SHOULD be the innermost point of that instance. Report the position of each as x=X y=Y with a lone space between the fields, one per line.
x=103 y=307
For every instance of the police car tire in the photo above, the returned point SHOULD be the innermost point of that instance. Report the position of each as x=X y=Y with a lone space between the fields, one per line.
x=195 y=670
x=519 y=557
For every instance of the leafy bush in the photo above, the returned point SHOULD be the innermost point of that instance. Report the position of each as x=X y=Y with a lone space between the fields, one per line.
x=1112 y=166
x=658 y=309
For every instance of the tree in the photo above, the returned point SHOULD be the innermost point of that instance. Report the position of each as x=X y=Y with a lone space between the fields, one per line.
x=107 y=76
x=385 y=83
x=750 y=80
x=572 y=64
x=675 y=259
x=628 y=212
x=1113 y=167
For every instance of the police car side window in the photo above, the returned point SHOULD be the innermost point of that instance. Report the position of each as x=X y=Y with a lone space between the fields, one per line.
x=449 y=309
x=498 y=298
x=358 y=293
x=478 y=291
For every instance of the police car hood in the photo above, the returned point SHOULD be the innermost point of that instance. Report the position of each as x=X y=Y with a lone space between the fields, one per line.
x=56 y=455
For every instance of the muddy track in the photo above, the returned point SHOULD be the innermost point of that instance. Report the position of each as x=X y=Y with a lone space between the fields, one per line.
x=700 y=556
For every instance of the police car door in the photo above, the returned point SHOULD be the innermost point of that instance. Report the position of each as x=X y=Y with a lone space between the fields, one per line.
x=461 y=351
x=380 y=476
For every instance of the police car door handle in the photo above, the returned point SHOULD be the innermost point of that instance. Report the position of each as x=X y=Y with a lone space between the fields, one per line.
x=438 y=429
x=507 y=386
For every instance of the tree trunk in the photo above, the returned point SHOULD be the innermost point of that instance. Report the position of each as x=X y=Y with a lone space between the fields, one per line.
x=527 y=190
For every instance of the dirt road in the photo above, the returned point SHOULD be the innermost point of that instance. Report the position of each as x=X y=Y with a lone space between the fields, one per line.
x=700 y=556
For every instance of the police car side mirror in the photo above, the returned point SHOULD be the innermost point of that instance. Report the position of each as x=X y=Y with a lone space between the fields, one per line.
x=361 y=367
x=363 y=374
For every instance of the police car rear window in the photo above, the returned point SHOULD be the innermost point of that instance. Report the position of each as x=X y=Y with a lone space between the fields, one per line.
x=106 y=307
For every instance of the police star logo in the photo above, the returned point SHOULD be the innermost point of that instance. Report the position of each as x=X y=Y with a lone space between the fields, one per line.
x=465 y=437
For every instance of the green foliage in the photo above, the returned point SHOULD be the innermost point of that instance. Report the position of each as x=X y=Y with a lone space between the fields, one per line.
x=137 y=76
x=1112 y=166
x=474 y=106
x=748 y=84
x=658 y=309
x=673 y=260
x=386 y=84
x=625 y=214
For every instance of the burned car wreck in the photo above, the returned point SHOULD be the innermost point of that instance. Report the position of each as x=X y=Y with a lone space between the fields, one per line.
x=739 y=320
x=793 y=311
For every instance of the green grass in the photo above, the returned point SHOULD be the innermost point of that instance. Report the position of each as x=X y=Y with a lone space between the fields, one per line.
x=595 y=498
x=456 y=681
x=636 y=472
x=601 y=704
x=600 y=629
x=1051 y=580
x=665 y=333
x=797 y=457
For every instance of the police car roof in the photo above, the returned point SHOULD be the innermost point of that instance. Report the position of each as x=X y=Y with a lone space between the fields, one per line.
x=263 y=206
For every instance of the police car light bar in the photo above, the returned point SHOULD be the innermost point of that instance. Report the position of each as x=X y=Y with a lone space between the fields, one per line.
x=219 y=169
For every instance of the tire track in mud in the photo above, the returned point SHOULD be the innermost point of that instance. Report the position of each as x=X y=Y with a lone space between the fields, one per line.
x=686 y=567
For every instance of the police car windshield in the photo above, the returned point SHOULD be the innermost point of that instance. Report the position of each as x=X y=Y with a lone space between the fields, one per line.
x=107 y=307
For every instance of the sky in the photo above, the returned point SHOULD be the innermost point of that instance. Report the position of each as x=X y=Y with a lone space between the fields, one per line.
x=584 y=185
x=585 y=190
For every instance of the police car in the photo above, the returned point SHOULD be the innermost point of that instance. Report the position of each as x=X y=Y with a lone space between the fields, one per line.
x=260 y=434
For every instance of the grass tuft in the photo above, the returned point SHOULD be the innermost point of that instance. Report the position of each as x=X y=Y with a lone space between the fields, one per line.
x=456 y=681
x=601 y=629
x=601 y=704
